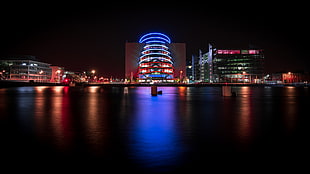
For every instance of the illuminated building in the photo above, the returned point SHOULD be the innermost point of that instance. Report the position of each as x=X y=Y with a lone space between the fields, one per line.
x=25 y=68
x=194 y=69
x=230 y=65
x=190 y=69
x=202 y=66
x=57 y=73
x=287 y=77
x=155 y=59
x=238 y=66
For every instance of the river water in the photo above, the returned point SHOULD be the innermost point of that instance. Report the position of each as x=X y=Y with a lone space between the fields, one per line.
x=185 y=129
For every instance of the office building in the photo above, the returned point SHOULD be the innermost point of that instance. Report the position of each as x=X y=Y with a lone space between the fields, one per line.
x=238 y=66
x=230 y=65
x=155 y=59
x=24 y=68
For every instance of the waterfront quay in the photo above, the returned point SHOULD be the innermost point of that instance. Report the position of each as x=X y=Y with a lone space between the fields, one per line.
x=196 y=84
x=5 y=84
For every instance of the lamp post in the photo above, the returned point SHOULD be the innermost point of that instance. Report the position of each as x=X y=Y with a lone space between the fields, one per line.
x=243 y=75
x=58 y=75
x=181 y=74
x=93 y=75
x=40 y=77
x=10 y=72
x=249 y=77
x=289 y=77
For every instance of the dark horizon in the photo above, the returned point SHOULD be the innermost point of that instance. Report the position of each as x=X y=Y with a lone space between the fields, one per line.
x=82 y=37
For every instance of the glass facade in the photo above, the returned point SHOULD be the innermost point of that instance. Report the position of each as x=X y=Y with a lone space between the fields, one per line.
x=228 y=65
x=238 y=65
x=26 y=68
x=155 y=62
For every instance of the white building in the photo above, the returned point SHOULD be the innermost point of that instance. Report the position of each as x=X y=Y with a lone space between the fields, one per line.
x=24 y=68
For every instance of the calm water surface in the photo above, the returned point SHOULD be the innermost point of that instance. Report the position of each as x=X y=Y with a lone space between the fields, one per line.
x=184 y=129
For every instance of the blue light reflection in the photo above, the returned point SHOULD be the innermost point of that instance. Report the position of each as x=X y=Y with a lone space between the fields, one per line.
x=156 y=140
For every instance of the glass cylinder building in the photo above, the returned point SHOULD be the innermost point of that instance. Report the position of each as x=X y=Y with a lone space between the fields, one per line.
x=155 y=62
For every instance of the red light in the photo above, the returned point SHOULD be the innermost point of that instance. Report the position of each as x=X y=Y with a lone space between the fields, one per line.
x=228 y=51
x=253 y=51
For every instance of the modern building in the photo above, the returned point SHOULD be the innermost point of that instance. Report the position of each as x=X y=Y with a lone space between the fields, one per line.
x=57 y=74
x=238 y=66
x=200 y=67
x=189 y=69
x=193 y=69
x=25 y=68
x=287 y=77
x=229 y=65
x=155 y=59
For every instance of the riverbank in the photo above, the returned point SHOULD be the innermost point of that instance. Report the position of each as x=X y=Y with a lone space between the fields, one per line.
x=7 y=84
x=200 y=84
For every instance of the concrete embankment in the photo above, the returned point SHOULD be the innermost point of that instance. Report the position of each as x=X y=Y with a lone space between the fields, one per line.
x=6 y=84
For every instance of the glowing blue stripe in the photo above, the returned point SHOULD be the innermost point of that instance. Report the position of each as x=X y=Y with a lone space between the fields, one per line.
x=163 y=50
x=152 y=57
x=155 y=45
x=168 y=58
x=164 y=56
x=157 y=48
x=158 y=75
x=167 y=61
x=146 y=35
x=163 y=61
x=156 y=54
x=155 y=39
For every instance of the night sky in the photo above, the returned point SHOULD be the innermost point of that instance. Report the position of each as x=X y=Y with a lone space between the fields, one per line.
x=85 y=36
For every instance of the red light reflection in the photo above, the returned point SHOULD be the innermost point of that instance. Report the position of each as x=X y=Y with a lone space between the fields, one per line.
x=245 y=116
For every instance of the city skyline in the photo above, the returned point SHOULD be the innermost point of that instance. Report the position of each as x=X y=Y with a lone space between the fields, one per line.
x=89 y=37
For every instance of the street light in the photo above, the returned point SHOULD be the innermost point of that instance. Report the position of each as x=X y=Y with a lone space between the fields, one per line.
x=289 y=77
x=181 y=74
x=93 y=75
x=249 y=78
x=58 y=75
x=243 y=75
x=40 y=77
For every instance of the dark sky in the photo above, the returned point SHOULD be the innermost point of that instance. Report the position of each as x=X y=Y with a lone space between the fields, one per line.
x=84 y=36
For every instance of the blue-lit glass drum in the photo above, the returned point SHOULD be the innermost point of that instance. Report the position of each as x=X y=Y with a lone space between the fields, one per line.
x=155 y=61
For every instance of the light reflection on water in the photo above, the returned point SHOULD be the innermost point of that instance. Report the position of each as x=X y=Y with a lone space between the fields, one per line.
x=245 y=116
x=160 y=133
x=154 y=136
x=95 y=124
